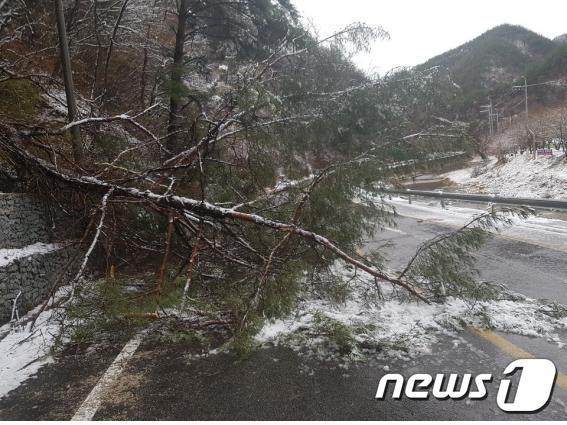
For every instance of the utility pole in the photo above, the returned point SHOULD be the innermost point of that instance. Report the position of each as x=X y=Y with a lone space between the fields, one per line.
x=497 y=115
x=488 y=109
x=528 y=131
x=491 y=117
x=526 y=97
x=72 y=112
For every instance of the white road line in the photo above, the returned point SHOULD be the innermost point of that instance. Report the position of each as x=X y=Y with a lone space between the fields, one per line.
x=91 y=404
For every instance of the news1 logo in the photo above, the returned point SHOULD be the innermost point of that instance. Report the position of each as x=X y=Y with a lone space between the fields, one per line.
x=533 y=391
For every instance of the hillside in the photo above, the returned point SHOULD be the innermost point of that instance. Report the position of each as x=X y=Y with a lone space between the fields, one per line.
x=498 y=55
x=489 y=64
x=553 y=66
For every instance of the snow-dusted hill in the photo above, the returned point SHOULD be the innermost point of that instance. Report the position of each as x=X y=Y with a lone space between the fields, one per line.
x=521 y=176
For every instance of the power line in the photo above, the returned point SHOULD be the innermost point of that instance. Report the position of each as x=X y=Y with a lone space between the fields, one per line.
x=494 y=115
x=541 y=84
x=501 y=98
x=514 y=89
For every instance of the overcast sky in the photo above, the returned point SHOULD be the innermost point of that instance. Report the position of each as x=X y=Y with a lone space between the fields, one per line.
x=421 y=29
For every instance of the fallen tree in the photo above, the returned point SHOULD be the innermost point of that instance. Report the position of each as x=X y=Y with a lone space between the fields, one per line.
x=182 y=206
x=232 y=180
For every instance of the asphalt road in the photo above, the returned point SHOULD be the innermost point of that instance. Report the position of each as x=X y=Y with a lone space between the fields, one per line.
x=164 y=382
x=527 y=268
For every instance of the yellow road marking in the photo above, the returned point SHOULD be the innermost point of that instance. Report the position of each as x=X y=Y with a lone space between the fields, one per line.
x=503 y=344
x=514 y=351
x=497 y=340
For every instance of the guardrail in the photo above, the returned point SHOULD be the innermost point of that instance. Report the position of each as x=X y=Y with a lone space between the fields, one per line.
x=531 y=202
x=439 y=157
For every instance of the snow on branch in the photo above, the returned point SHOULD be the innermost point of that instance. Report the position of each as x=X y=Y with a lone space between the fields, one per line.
x=204 y=209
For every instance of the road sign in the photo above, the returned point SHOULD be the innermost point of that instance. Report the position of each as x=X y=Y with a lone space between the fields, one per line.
x=544 y=152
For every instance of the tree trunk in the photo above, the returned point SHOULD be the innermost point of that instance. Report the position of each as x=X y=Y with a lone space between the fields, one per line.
x=72 y=113
x=163 y=267
x=143 y=80
x=176 y=74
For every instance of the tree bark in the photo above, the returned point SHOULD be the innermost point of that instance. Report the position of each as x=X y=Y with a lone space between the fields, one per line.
x=176 y=74
x=143 y=79
x=163 y=267
x=72 y=112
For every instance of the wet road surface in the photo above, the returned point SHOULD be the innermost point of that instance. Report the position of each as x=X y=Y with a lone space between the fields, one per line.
x=165 y=382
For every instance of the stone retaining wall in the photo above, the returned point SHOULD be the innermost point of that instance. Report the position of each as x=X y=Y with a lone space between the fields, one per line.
x=34 y=276
x=27 y=266
x=23 y=221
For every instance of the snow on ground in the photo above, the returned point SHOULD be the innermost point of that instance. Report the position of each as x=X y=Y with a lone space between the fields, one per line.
x=393 y=328
x=11 y=254
x=23 y=350
x=56 y=100
x=521 y=176
x=547 y=232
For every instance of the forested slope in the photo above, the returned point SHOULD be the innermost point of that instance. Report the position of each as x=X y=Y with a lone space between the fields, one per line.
x=215 y=148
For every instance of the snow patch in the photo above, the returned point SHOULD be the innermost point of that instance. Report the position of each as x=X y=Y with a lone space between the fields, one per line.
x=394 y=328
x=10 y=255
x=24 y=350
x=521 y=176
